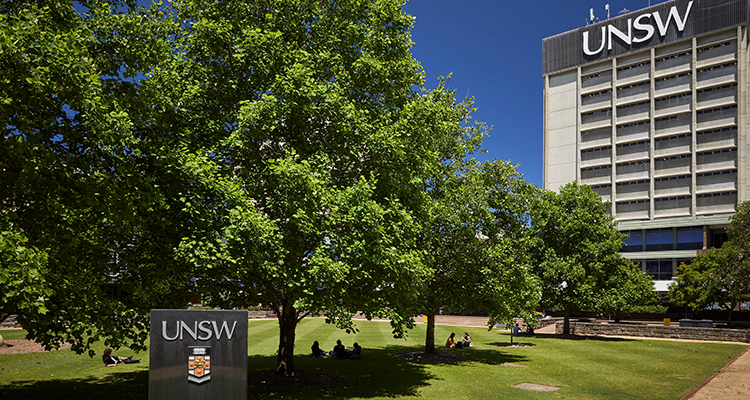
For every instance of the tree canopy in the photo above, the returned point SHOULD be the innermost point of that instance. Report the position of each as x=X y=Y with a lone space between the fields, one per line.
x=79 y=179
x=22 y=279
x=577 y=256
x=474 y=239
x=721 y=275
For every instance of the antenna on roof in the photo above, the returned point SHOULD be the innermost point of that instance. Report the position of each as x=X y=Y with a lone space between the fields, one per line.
x=606 y=7
x=624 y=11
x=591 y=11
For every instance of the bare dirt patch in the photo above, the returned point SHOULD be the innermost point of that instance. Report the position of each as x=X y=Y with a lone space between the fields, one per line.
x=24 y=346
x=513 y=344
x=505 y=364
x=432 y=358
x=535 y=387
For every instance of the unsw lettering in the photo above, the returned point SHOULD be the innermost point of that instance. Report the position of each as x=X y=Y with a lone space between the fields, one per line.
x=639 y=24
x=200 y=330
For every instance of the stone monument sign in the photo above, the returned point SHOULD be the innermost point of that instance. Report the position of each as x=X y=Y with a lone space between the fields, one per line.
x=198 y=354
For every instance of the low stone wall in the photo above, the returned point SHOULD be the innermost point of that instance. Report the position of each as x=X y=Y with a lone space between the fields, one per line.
x=261 y=314
x=656 y=331
x=10 y=323
x=541 y=323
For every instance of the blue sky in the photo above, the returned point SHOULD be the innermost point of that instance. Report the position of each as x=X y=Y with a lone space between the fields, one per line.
x=494 y=50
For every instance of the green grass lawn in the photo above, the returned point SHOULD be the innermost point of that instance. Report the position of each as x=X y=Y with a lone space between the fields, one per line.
x=585 y=368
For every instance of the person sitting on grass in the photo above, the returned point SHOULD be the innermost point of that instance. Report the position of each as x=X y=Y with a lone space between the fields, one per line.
x=317 y=351
x=356 y=354
x=111 y=361
x=451 y=342
x=516 y=330
x=467 y=342
x=339 y=351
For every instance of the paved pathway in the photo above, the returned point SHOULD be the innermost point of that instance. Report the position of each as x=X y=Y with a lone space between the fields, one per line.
x=730 y=383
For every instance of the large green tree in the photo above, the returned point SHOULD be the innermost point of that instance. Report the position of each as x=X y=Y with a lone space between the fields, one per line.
x=303 y=122
x=626 y=289
x=475 y=241
x=77 y=166
x=576 y=253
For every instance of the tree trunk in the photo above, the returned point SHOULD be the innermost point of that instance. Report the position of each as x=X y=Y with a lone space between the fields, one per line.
x=3 y=317
x=729 y=316
x=566 y=323
x=617 y=317
x=429 y=344
x=287 y=326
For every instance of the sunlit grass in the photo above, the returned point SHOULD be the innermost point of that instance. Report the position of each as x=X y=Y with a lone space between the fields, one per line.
x=584 y=368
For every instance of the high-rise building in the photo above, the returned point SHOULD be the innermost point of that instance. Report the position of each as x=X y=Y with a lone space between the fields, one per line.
x=650 y=109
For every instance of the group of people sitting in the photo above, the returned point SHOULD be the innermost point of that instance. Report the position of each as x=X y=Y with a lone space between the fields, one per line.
x=517 y=330
x=339 y=351
x=463 y=343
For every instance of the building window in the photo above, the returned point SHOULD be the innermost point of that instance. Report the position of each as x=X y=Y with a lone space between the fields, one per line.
x=659 y=270
x=659 y=240
x=634 y=242
x=719 y=239
x=689 y=239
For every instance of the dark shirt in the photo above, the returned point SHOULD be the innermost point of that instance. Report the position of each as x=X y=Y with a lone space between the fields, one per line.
x=108 y=360
x=340 y=351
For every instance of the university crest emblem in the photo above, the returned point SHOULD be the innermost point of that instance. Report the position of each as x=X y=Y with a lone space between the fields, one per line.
x=199 y=364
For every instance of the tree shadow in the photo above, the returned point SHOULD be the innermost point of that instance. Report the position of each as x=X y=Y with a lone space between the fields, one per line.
x=377 y=374
x=473 y=354
x=131 y=385
x=380 y=373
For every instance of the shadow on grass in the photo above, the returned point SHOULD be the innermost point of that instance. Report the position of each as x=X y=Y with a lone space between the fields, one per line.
x=129 y=385
x=378 y=374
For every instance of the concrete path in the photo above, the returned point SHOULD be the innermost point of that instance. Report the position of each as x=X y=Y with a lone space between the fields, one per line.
x=730 y=383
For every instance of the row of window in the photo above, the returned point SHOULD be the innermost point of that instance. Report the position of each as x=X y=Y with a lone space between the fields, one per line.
x=664 y=239
x=660 y=270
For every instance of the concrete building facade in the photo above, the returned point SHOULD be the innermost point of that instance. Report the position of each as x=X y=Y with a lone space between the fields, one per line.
x=650 y=109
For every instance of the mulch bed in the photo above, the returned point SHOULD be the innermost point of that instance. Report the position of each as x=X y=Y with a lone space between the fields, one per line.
x=514 y=345
x=432 y=358
x=24 y=346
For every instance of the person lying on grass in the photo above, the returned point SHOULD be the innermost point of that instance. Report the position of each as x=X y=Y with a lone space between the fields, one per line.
x=111 y=361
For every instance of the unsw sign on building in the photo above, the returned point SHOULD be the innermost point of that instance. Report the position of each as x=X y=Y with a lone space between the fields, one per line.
x=654 y=26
